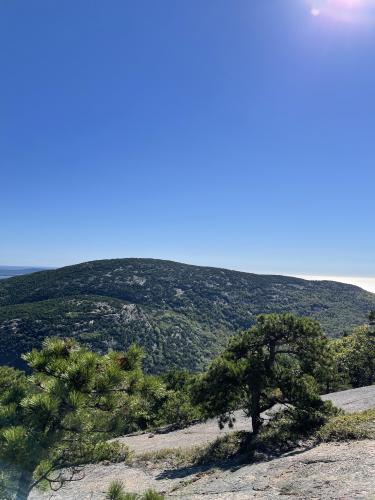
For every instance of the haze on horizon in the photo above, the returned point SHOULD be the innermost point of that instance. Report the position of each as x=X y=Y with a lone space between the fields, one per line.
x=232 y=134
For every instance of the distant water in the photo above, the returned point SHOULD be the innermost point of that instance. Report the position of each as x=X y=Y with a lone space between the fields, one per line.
x=9 y=272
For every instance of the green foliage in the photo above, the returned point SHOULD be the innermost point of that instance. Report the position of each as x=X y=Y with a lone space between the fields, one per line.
x=347 y=427
x=116 y=492
x=182 y=315
x=223 y=448
x=179 y=408
x=356 y=356
x=279 y=360
x=111 y=451
x=328 y=374
x=287 y=428
x=61 y=415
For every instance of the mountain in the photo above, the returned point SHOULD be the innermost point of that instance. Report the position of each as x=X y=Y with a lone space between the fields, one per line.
x=181 y=314
x=9 y=271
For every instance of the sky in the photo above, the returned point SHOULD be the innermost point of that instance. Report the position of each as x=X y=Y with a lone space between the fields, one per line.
x=233 y=133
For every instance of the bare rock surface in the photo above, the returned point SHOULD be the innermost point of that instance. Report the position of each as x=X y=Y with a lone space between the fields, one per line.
x=329 y=471
x=353 y=400
x=195 y=435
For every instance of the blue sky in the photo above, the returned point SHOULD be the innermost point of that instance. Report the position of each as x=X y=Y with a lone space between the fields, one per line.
x=235 y=133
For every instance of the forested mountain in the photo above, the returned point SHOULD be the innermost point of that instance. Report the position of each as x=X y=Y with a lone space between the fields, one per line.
x=181 y=314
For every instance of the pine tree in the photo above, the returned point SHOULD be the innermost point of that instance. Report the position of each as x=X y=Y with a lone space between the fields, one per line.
x=279 y=360
x=356 y=355
x=59 y=417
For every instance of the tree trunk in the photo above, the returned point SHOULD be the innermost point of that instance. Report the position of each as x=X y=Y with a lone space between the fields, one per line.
x=256 y=422
x=24 y=485
x=256 y=419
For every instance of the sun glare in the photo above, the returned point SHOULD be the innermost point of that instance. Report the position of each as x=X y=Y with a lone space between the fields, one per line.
x=350 y=11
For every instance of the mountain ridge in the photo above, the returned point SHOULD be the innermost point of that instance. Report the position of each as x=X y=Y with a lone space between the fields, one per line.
x=181 y=313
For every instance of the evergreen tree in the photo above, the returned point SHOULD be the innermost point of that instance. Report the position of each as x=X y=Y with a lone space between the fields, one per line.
x=356 y=356
x=59 y=417
x=279 y=360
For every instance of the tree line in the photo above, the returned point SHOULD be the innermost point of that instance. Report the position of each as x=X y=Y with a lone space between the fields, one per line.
x=60 y=416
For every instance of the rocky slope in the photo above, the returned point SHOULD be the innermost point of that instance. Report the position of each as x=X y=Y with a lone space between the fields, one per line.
x=327 y=471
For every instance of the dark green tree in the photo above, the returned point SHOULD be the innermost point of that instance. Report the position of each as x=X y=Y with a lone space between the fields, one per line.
x=60 y=416
x=356 y=356
x=178 y=408
x=279 y=360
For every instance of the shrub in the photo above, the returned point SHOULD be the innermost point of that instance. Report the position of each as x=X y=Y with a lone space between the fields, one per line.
x=347 y=427
x=112 y=451
x=116 y=492
x=221 y=449
x=224 y=447
x=289 y=428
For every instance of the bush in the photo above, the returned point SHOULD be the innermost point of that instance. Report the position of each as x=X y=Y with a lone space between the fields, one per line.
x=179 y=410
x=304 y=422
x=347 y=427
x=112 y=451
x=220 y=450
x=289 y=428
x=224 y=448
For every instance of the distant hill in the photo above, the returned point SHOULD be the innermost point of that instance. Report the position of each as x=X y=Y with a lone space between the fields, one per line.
x=9 y=271
x=181 y=314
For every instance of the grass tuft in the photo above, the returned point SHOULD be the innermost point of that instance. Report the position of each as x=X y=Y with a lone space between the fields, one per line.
x=117 y=492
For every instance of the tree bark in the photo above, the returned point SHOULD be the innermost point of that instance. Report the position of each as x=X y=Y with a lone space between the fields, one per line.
x=256 y=419
x=256 y=422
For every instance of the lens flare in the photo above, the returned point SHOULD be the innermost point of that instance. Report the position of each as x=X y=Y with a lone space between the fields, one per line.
x=348 y=11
